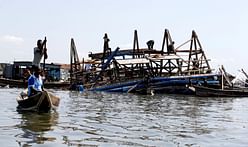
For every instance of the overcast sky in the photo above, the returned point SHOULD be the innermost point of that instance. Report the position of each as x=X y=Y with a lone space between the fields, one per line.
x=221 y=25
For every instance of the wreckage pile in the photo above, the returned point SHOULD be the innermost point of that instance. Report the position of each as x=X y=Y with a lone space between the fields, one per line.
x=144 y=70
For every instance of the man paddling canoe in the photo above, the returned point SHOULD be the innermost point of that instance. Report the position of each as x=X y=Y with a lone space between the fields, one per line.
x=39 y=51
x=35 y=81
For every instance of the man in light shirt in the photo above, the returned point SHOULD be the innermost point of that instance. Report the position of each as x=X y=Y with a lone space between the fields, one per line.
x=39 y=51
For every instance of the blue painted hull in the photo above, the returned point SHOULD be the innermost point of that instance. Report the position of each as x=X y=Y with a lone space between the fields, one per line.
x=176 y=85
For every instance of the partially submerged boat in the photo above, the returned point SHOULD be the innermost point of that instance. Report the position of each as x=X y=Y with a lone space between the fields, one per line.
x=227 y=88
x=41 y=102
x=171 y=85
x=143 y=70
x=218 y=92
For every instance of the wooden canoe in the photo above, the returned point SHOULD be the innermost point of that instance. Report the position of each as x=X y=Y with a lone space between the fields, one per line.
x=41 y=102
x=216 y=92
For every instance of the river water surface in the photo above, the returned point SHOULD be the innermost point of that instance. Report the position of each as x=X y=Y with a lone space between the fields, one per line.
x=93 y=119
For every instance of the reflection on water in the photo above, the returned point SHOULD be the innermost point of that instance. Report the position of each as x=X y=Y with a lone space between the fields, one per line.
x=35 y=126
x=109 y=119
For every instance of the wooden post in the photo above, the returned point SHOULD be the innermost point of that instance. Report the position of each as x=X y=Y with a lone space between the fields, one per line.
x=106 y=49
x=74 y=62
x=197 y=56
x=167 y=38
x=162 y=50
x=135 y=44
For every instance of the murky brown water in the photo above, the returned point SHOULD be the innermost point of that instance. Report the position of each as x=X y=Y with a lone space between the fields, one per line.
x=108 y=120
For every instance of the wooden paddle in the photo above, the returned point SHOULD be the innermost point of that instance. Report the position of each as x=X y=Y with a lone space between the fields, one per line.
x=44 y=60
x=45 y=55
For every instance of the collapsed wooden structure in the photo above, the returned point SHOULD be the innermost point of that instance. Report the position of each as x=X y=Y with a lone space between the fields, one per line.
x=143 y=70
